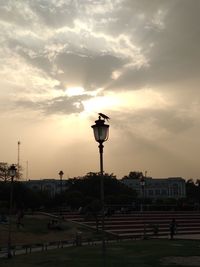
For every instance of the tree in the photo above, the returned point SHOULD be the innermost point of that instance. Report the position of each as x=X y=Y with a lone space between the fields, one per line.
x=89 y=186
x=134 y=175
x=197 y=182
x=193 y=191
x=4 y=171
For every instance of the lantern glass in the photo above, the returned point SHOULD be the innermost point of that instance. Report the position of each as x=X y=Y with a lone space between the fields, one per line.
x=12 y=171
x=101 y=131
x=61 y=174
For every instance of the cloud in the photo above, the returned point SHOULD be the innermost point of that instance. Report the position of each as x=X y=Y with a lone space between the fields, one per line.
x=63 y=105
x=171 y=47
x=90 y=71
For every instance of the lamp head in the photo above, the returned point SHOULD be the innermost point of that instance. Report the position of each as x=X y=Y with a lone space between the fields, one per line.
x=12 y=171
x=142 y=181
x=61 y=173
x=101 y=130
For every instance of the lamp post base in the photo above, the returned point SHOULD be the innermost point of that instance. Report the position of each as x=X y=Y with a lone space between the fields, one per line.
x=9 y=255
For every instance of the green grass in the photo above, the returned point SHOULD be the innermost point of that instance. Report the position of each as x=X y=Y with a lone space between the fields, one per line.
x=140 y=253
x=35 y=230
x=34 y=225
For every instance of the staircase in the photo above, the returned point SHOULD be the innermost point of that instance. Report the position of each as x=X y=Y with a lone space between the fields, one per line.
x=142 y=224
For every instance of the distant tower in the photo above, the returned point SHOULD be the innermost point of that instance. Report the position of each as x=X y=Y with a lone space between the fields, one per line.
x=18 y=160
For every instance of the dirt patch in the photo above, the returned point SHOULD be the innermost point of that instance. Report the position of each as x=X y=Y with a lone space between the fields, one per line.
x=183 y=261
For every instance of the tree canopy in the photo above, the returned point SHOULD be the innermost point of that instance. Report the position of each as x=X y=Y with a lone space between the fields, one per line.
x=134 y=175
x=88 y=187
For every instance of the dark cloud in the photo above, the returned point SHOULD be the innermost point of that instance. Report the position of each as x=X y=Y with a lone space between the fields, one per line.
x=64 y=105
x=90 y=71
x=165 y=32
x=172 y=52
x=172 y=121
x=59 y=105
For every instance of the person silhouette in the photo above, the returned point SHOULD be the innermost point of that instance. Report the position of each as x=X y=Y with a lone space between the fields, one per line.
x=172 y=228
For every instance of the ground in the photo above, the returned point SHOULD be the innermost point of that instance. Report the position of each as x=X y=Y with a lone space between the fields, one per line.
x=36 y=230
x=143 y=253
x=182 y=261
x=137 y=253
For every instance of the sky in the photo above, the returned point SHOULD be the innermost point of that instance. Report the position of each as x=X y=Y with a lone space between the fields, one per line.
x=64 y=61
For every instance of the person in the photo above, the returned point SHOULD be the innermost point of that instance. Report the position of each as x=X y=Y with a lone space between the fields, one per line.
x=172 y=228
x=20 y=216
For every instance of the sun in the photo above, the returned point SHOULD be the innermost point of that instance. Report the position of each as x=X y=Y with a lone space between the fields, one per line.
x=99 y=103
x=73 y=91
x=95 y=101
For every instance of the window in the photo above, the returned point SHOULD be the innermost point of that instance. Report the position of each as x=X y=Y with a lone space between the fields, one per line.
x=150 y=193
x=157 y=192
x=163 y=192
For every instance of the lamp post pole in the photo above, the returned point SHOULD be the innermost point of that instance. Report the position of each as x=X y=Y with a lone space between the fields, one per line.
x=101 y=132
x=61 y=176
x=102 y=194
x=142 y=183
x=12 y=173
x=61 y=185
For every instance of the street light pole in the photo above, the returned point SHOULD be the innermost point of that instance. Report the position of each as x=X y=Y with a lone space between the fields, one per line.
x=102 y=193
x=101 y=132
x=61 y=176
x=61 y=185
x=142 y=184
x=12 y=173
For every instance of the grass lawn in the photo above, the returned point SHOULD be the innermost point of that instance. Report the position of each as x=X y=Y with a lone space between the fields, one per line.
x=139 y=253
x=35 y=230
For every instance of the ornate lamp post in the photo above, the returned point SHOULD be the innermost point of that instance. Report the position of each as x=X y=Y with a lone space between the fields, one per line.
x=101 y=132
x=142 y=184
x=61 y=185
x=61 y=176
x=12 y=171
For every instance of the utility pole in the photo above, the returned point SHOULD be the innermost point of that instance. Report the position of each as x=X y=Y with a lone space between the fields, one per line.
x=27 y=170
x=18 y=159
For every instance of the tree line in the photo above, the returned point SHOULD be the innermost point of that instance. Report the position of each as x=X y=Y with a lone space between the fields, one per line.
x=85 y=192
x=80 y=192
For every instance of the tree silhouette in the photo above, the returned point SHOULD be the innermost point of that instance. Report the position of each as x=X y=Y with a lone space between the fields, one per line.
x=134 y=175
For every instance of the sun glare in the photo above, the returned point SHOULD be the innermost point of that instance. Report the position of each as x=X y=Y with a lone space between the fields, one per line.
x=100 y=103
x=125 y=101
x=73 y=91
x=132 y=100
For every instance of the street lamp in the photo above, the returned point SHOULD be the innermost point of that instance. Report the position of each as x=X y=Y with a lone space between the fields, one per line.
x=61 y=184
x=142 y=184
x=101 y=132
x=61 y=176
x=12 y=173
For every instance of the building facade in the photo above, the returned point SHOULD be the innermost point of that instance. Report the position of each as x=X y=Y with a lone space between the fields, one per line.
x=52 y=186
x=172 y=187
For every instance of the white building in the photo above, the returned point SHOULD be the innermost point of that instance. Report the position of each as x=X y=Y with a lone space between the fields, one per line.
x=52 y=186
x=172 y=187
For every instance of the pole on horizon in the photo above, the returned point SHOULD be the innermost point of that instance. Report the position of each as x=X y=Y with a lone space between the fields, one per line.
x=12 y=171
x=18 y=159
